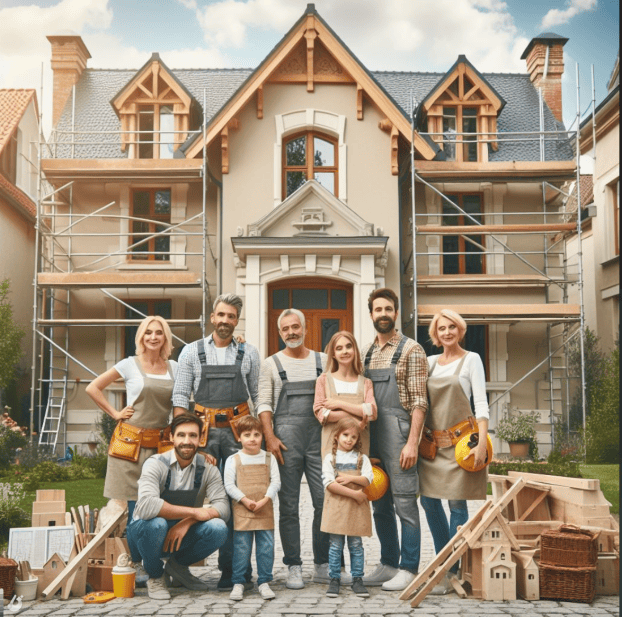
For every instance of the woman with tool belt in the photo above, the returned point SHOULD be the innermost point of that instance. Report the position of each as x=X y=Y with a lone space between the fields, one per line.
x=453 y=376
x=149 y=377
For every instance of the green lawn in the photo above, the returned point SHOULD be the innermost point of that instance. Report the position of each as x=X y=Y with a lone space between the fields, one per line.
x=77 y=493
x=609 y=476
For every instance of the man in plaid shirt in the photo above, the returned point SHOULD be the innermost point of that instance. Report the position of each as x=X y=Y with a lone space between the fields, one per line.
x=398 y=367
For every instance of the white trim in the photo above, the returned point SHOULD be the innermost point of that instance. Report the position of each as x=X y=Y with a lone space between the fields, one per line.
x=610 y=292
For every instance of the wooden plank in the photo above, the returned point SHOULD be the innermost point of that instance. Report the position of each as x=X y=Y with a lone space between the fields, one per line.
x=51 y=494
x=118 y=279
x=536 y=502
x=111 y=322
x=505 y=310
x=580 y=483
x=82 y=557
x=476 y=230
x=42 y=507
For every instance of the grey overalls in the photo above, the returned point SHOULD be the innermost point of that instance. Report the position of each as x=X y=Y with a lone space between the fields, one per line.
x=221 y=386
x=297 y=427
x=389 y=434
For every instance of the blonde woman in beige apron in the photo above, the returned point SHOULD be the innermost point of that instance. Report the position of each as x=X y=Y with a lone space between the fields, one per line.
x=346 y=471
x=343 y=392
x=453 y=376
x=252 y=480
x=149 y=378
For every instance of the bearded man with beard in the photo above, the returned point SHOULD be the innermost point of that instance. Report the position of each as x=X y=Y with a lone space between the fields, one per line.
x=293 y=435
x=398 y=367
x=222 y=374
x=181 y=511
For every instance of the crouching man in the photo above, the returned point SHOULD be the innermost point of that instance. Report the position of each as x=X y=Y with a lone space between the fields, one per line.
x=181 y=511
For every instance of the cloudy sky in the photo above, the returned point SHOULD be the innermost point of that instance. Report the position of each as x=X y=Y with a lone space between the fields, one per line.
x=410 y=35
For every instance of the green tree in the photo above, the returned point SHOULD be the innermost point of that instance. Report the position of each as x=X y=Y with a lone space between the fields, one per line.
x=11 y=335
x=603 y=425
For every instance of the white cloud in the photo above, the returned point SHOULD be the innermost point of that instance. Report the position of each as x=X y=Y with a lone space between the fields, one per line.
x=189 y=4
x=555 y=17
x=393 y=34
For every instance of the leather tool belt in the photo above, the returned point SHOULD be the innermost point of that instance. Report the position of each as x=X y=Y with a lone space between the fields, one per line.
x=227 y=417
x=128 y=439
x=431 y=439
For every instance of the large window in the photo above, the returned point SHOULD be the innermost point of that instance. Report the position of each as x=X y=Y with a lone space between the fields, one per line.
x=463 y=148
x=463 y=254
x=153 y=207
x=153 y=122
x=306 y=156
x=163 y=308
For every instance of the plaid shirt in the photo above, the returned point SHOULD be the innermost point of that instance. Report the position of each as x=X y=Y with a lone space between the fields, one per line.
x=411 y=370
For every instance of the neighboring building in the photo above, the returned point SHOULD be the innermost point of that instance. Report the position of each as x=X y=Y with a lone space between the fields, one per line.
x=306 y=201
x=19 y=142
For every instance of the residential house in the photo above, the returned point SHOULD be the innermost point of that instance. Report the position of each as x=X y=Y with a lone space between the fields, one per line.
x=290 y=184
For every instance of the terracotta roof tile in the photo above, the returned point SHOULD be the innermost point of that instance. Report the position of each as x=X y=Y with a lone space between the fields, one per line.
x=13 y=104
x=17 y=196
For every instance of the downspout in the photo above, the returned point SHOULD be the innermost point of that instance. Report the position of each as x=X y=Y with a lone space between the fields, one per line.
x=218 y=183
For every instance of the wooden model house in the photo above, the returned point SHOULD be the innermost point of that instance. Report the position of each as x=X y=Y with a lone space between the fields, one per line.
x=527 y=575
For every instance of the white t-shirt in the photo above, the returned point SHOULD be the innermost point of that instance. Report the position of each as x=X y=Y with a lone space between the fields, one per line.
x=344 y=458
x=133 y=378
x=472 y=378
x=346 y=387
x=231 y=474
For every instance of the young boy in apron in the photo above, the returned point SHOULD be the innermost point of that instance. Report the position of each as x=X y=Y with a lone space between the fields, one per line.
x=252 y=480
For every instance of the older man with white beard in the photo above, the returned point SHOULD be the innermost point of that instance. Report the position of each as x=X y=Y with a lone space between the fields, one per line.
x=293 y=435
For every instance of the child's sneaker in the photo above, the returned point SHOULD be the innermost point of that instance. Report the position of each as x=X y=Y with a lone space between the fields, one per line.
x=237 y=593
x=358 y=588
x=265 y=592
x=333 y=588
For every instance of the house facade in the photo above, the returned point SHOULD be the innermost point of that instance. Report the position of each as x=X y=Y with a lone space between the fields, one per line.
x=19 y=142
x=292 y=185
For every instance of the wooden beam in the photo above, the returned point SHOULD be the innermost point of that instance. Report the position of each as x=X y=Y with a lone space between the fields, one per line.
x=224 y=145
x=579 y=483
x=359 y=102
x=111 y=322
x=78 y=280
x=310 y=35
x=260 y=102
x=536 y=502
x=505 y=310
x=385 y=125
x=474 y=230
x=395 y=166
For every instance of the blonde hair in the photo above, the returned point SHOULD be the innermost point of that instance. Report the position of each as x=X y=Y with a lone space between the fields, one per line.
x=167 y=348
x=343 y=425
x=331 y=363
x=455 y=319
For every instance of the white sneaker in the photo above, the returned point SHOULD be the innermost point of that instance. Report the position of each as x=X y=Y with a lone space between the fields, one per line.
x=400 y=581
x=237 y=593
x=156 y=589
x=294 y=578
x=380 y=575
x=320 y=574
x=265 y=592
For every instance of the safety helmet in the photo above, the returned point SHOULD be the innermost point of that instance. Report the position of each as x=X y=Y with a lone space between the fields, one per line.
x=464 y=446
x=379 y=484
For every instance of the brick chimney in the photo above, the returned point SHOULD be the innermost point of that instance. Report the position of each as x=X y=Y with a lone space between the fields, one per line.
x=545 y=64
x=69 y=57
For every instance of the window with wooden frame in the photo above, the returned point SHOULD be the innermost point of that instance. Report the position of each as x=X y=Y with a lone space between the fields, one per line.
x=463 y=254
x=163 y=308
x=310 y=155
x=462 y=115
x=151 y=214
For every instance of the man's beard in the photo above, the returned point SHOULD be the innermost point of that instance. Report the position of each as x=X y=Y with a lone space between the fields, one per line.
x=294 y=343
x=224 y=331
x=186 y=453
x=384 y=325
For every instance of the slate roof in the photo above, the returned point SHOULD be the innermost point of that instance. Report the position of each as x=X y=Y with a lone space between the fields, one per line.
x=97 y=87
x=13 y=104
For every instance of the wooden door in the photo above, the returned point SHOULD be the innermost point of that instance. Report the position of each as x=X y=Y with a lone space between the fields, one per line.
x=326 y=305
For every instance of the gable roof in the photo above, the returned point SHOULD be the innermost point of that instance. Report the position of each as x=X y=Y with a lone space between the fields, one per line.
x=17 y=198
x=13 y=104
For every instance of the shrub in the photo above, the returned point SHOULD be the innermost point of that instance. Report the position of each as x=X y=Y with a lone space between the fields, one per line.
x=11 y=335
x=49 y=472
x=11 y=513
x=9 y=442
x=32 y=454
x=567 y=469
x=106 y=425
x=568 y=447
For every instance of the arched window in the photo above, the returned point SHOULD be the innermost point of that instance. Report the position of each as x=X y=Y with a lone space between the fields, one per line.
x=310 y=155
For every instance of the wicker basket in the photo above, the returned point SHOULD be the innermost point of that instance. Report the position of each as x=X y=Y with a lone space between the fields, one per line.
x=572 y=584
x=569 y=547
x=8 y=568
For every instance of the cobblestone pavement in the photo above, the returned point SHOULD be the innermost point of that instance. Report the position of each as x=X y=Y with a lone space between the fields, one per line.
x=312 y=600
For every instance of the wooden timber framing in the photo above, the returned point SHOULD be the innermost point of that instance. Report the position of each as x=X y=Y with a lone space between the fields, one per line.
x=452 y=230
x=505 y=312
x=78 y=280
x=482 y=280
x=111 y=322
x=349 y=64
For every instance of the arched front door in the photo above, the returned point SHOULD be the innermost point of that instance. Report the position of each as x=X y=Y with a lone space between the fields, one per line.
x=326 y=304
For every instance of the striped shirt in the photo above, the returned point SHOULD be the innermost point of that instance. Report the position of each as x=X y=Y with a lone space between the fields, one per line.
x=189 y=369
x=411 y=370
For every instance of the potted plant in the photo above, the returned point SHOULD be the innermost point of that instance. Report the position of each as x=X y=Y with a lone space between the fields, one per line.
x=519 y=430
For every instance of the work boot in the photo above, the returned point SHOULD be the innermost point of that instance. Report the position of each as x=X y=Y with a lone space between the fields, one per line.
x=333 y=588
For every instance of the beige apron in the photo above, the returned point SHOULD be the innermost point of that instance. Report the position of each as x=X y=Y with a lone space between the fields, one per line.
x=343 y=515
x=152 y=409
x=253 y=481
x=356 y=399
x=443 y=478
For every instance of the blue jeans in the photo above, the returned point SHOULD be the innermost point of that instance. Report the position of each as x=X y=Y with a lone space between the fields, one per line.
x=335 y=554
x=442 y=531
x=134 y=554
x=386 y=528
x=201 y=540
x=264 y=555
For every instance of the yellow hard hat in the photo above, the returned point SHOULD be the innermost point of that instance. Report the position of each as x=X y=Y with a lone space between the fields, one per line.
x=379 y=484
x=463 y=448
